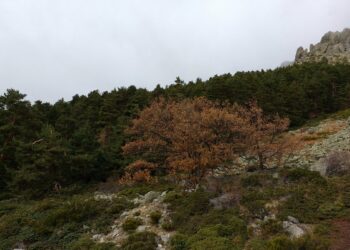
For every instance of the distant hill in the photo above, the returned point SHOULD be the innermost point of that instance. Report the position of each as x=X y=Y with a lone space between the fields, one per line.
x=334 y=47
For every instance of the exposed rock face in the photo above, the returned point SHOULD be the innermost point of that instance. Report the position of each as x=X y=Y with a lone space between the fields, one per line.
x=334 y=137
x=334 y=47
x=144 y=206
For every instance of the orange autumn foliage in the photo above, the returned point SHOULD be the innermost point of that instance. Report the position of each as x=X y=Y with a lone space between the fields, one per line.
x=138 y=171
x=191 y=138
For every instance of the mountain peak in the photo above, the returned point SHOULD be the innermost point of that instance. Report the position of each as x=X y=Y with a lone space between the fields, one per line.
x=333 y=47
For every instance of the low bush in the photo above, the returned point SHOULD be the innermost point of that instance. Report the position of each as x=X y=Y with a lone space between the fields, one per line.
x=179 y=242
x=304 y=201
x=55 y=223
x=130 y=224
x=330 y=210
x=186 y=205
x=281 y=243
x=140 y=241
x=86 y=243
x=271 y=227
x=210 y=238
x=214 y=243
x=155 y=217
x=255 y=204
x=252 y=180
x=167 y=225
x=312 y=243
x=303 y=175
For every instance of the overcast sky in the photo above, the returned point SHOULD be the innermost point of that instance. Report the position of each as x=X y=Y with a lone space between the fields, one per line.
x=57 y=48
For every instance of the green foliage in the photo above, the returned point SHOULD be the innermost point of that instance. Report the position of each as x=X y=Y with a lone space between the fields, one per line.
x=167 y=225
x=212 y=237
x=56 y=222
x=281 y=243
x=140 y=241
x=214 y=243
x=271 y=227
x=155 y=217
x=86 y=243
x=179 y=242
x=251 y=181
x=187 y=205
x=304 y=176
x=47 y=150
x=330 y=210
x=255 y=203
x=130 y=224
x=44 y=144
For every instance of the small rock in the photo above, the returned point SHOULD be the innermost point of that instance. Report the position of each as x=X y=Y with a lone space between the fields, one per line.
x=293 y=220
x=141 y=228
x=294 y=230
x=269 y=217
x=97 y=237
x=165 y=238
x=150 y=196
x=124 y=214
x=225 y=201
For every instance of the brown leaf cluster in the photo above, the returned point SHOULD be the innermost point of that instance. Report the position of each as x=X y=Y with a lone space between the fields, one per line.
x=191 y=138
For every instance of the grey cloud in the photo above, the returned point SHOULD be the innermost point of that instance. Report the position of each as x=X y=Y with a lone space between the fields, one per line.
x=53 y=49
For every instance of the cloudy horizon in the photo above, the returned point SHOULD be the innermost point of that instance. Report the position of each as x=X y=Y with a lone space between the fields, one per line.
x=56 y=49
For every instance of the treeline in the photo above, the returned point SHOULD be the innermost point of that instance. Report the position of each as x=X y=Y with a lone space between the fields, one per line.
x=48 y=146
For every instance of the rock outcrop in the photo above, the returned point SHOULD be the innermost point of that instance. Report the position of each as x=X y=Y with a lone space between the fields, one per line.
x=333 y=47
x=326 y=138
x=144 y=206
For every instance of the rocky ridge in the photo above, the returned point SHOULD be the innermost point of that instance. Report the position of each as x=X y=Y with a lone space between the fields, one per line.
x=334 y=47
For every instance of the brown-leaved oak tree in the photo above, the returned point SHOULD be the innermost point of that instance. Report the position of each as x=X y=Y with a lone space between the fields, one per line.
x=190 y=139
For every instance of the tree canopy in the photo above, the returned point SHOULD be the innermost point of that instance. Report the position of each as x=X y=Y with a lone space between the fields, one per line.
x=81 y=140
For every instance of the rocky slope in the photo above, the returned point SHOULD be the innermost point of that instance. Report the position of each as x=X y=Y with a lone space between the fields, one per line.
x=334 y=46
x=145 y=205
x=320 y=142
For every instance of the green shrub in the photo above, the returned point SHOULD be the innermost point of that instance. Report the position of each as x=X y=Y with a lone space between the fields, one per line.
x=213 y=243
x=234 y=232
x=155 y=217
x=140 y=241
x=330 y=210
x=304 y=202
x=322 y=229
x=312 y=243
x=281 y=243
x=76 y=210
x=167 y=225
x=256 y=207
x=256 y=244
x=251 y=181
x=86 y=243
x=179 y=242
x=130 y=224
x=271 y=227
x=304 y=175
x=184 y=206
x=346 y=195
